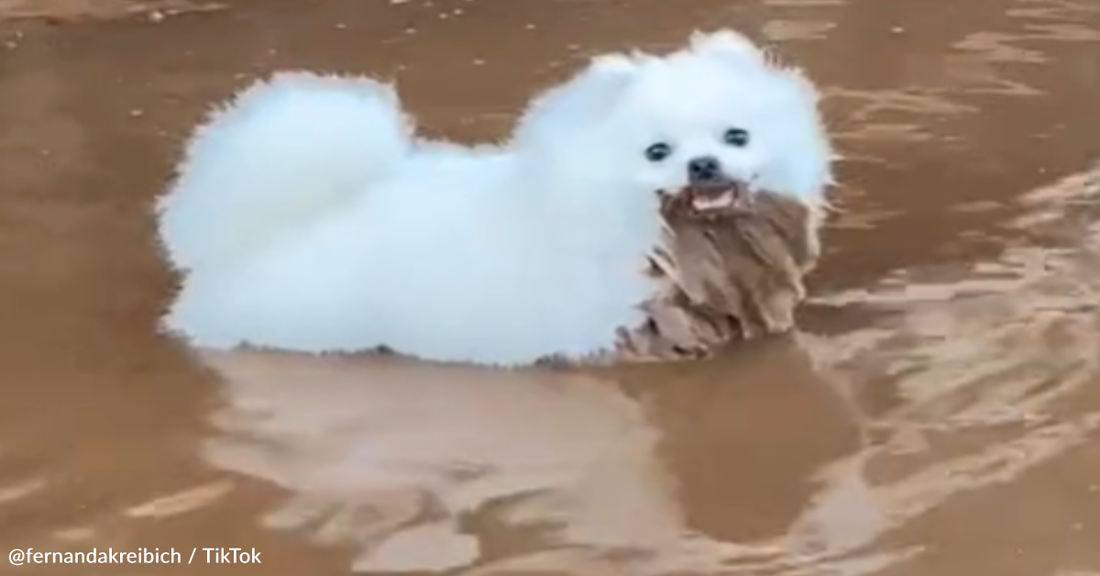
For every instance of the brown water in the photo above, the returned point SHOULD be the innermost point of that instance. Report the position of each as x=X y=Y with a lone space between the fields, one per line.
x=939 y=415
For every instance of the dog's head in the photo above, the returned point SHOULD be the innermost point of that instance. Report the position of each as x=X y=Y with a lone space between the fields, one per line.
x=717 y=114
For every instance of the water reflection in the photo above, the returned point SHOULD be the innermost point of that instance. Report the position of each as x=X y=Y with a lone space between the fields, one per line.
x=429 y=468
x=400 y=457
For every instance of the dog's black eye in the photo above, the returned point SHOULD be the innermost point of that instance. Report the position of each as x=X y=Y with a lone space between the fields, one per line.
x=658 y=152
x=737 y=137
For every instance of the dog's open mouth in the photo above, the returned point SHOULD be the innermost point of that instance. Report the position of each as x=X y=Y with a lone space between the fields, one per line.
x=708 y=201
x=724 y=196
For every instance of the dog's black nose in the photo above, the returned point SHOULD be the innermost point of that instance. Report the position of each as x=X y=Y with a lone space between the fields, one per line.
x=704 y=169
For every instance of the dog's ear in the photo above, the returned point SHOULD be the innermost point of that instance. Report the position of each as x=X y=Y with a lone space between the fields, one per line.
x=728 y=45
x=589 y=95
x=613 y=67
x=602 y=83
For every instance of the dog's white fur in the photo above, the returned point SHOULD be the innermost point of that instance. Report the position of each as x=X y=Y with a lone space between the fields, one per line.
x=308 y=216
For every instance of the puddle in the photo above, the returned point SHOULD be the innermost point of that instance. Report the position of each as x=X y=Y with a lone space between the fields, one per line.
x=937 y=414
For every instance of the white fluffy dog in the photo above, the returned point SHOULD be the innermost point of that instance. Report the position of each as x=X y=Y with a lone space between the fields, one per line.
x=308 y=216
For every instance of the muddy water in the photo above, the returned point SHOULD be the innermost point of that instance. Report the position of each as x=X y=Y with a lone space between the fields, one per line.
x=939 y=413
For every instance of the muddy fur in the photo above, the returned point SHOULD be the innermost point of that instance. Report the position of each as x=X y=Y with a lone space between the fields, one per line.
x=725 y=278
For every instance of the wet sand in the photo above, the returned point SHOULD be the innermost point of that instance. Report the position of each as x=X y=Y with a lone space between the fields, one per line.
x=939 y=413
